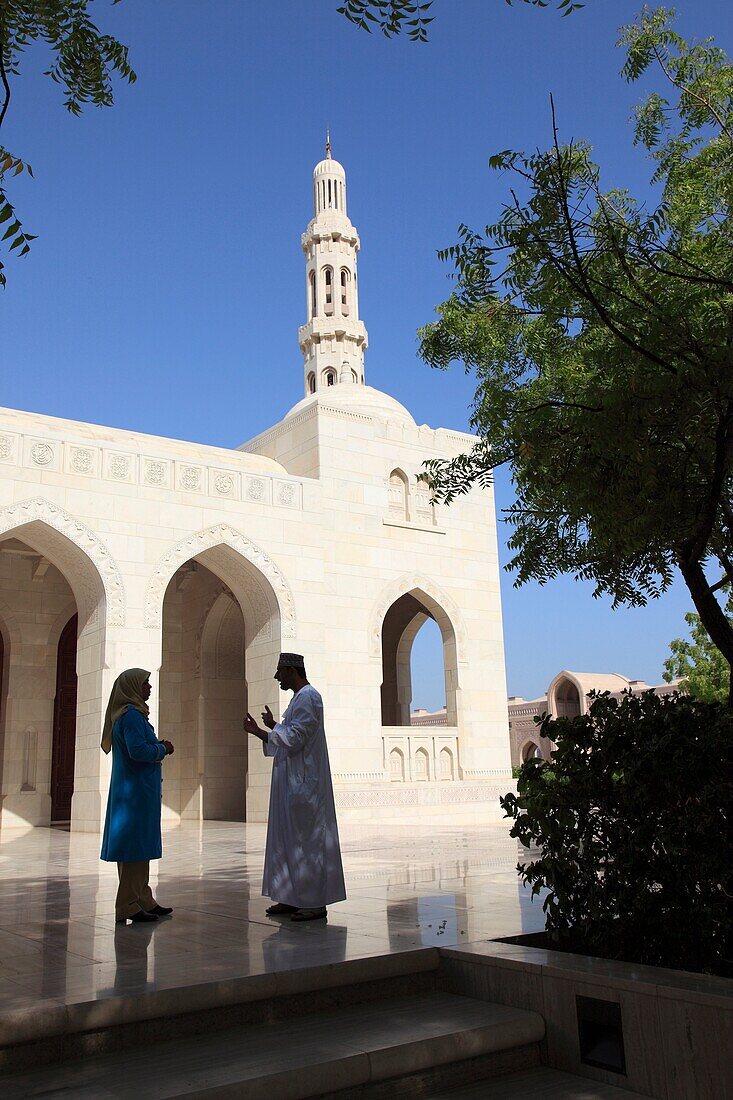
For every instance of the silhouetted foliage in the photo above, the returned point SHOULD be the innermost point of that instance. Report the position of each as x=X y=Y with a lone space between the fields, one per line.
x=633 y=820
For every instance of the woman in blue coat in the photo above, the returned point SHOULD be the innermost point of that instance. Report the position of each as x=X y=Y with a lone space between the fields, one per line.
x=132 y=826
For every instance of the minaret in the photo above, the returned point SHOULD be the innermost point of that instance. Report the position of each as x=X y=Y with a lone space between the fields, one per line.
x=333 y=340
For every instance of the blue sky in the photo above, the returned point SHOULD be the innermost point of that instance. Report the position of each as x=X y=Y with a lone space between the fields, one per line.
x=166 y=286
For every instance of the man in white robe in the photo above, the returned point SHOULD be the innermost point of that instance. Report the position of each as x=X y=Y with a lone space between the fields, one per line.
x=303 y=872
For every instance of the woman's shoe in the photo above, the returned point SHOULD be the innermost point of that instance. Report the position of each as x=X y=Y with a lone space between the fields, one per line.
x=138 y=918
x=161 y=910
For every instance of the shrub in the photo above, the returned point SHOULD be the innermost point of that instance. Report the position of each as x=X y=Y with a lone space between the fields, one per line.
x=632 y=818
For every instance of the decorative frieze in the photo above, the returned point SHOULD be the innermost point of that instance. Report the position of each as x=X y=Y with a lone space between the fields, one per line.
x=77 y=458
x=429 y=795
x=351 y=800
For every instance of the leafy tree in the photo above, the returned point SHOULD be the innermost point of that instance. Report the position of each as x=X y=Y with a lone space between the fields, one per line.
x=394 y=17
x=83 y=63
x=600 y=332
x=631 y=820
x=698 y=663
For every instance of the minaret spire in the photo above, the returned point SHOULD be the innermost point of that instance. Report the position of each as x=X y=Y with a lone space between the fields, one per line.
x=333 y=339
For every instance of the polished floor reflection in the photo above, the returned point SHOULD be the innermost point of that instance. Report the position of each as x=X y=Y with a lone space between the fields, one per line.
x=407 y=888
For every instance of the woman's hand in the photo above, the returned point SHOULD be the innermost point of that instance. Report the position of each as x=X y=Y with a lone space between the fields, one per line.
x=169 y=750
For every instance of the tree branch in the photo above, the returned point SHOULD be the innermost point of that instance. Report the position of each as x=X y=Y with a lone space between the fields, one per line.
x=695 y=95
x=3 y=74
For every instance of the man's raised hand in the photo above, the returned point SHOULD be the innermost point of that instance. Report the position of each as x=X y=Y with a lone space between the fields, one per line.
x=267 y=718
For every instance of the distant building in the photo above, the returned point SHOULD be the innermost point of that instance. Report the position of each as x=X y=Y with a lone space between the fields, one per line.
x=429 y=717
x=566 y=697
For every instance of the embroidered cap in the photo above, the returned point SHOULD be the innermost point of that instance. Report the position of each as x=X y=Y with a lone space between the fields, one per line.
x=291 y=660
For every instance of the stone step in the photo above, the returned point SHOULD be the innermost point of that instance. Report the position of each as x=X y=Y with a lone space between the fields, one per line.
x=39 y=1035
x=536 y=1084
x=352 y=1051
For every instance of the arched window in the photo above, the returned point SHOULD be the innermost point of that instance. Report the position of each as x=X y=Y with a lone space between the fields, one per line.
x=567 y=700
x=344 y=292
x=446 y=764
x=311 y=382
x=354 y=376
x=398 y=501
x=313 y=295
x=328 y=284
x=422 y=766
x=396 y=766
x=329 y=193
x=330 y=378
x=531 y=751
x=424 y=507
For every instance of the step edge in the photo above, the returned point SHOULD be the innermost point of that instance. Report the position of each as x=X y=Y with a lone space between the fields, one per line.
x=58 y=1020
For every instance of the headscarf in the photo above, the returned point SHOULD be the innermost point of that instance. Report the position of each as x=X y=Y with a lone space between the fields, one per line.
x=126 y=692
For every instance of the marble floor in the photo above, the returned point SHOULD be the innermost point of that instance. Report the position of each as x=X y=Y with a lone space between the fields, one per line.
x=407 y=888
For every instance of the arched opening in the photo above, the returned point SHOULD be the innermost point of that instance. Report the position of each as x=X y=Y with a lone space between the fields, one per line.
x=311 y=382
x=328 y=291
x=426 y=675
x=220 y=639
x=54 y=613
x=312 y=294
x=400 y=626
x=344 y=292
x=531 y=751
x=330 y=378
x=398 y=495
x=567 y=700
x=64 y=724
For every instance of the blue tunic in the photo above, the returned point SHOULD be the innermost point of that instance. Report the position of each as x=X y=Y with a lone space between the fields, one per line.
x=132 y=825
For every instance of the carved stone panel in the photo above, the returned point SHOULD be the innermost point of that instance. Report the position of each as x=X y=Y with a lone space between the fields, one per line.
x=120 y=467
x=189 y=478
x=157 y=473
x=287 y=494
x=81 y=460
x=44 y=454
x=9 y=447
x=224 y=483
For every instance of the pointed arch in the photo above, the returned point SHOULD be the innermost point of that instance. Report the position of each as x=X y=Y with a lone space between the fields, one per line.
x=279 y=596
x=441 y=606
x=396 y=620
x=399 y=494
x=86 y=563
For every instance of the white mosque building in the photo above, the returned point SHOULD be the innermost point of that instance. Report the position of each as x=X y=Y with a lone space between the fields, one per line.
x=200 y=563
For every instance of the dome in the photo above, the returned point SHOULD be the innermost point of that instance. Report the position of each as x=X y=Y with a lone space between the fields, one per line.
x=357 y=399
x=329 y=167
